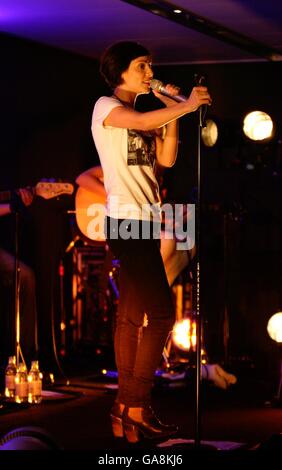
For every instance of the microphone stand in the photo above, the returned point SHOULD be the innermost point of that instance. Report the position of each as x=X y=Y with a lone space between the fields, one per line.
x=201 y=124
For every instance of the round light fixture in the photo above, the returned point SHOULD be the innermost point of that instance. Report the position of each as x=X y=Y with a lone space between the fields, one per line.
x=274 y=327
x=210 y=133
x=258 y=125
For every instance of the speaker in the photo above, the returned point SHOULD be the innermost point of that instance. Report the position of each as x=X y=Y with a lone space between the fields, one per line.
x=28 y=438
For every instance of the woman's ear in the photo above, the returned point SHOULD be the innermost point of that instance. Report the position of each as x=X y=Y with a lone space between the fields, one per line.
x=122 y=77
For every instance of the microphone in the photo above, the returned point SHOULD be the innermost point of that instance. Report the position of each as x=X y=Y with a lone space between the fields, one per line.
x=157 y=85
x=198 y=80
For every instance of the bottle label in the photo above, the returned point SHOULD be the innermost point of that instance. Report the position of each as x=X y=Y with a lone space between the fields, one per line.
x=22 y=389
x=10 y=382
x=35 y=387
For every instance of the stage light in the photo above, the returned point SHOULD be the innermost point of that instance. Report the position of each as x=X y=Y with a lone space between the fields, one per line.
x=184 y=334
x=258 y=125
x=274 y=327
x=210 y=133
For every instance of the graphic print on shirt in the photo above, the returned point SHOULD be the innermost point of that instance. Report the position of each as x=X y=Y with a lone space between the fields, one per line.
x=141 y=148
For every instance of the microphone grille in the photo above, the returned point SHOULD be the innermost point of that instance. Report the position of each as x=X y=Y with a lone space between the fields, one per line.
x=156 y=84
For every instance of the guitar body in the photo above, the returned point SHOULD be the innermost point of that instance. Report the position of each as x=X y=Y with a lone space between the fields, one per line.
x=90 y=213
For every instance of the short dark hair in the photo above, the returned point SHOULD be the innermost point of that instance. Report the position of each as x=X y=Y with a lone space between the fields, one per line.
x=116 y=60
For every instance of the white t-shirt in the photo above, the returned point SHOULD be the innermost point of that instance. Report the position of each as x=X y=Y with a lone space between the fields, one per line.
x=127 y=157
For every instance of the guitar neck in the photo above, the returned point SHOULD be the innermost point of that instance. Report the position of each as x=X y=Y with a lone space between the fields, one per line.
x=45 y=189
x=5 y=195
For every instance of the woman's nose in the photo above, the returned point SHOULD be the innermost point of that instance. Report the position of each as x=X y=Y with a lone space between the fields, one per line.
x=149 y=70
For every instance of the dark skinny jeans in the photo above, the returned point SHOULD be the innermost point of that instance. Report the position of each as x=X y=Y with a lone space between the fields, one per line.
x=143 y=288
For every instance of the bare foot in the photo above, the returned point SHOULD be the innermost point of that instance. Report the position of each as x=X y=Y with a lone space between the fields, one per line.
x=218 y=376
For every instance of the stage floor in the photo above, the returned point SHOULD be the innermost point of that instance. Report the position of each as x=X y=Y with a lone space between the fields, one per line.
x=76 y=416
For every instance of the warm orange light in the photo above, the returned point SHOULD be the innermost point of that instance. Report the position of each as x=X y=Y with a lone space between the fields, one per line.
x=184 y=334
x=258 y=125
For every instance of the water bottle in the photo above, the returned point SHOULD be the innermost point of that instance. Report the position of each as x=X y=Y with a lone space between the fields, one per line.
x=10 y=376
x=21 y=392
x=34 y=384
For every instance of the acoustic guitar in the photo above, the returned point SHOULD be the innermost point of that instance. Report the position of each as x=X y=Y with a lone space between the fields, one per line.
x=90 y=213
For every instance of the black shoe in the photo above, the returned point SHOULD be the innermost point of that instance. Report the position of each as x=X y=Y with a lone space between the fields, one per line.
x=116 y=419
x=148 y=427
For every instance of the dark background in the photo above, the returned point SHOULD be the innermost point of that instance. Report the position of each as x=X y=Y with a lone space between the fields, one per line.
x=47 y=97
